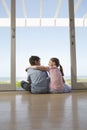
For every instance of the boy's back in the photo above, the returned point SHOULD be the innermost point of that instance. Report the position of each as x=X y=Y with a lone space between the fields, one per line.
x=39 y=80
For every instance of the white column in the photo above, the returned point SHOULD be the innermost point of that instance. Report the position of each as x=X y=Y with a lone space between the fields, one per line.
x=13 y=46
x=72 y=43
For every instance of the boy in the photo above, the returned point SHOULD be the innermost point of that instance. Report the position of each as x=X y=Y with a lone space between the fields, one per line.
x=37 y=80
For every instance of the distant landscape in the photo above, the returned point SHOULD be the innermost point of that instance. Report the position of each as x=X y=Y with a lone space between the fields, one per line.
x=67 y=80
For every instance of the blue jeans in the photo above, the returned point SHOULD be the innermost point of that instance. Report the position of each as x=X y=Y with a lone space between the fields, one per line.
x=25 y=85
x=67 y=88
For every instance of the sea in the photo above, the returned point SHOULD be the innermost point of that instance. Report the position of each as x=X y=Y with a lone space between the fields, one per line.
x=7 y=79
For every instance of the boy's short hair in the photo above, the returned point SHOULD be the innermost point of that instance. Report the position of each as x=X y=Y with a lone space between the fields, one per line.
x=32 y=59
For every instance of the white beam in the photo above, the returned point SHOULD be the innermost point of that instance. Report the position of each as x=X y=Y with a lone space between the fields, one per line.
x=44 y=22
x=6 y=8
x=5 y=22
x=58 y=9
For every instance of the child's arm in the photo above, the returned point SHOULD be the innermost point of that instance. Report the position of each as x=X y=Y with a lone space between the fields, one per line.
x=43 y=68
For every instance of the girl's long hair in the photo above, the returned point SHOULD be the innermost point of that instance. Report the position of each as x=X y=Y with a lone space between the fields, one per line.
x=57 y=63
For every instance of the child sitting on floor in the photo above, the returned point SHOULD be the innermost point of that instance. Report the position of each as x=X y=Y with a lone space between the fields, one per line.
x=57 y=82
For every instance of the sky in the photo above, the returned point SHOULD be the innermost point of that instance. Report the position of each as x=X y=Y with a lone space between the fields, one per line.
x=41 y=41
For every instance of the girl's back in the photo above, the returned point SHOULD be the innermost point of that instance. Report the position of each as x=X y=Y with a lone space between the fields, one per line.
x=56 y=82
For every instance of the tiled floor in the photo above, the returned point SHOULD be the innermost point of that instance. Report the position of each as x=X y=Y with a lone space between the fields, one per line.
x=20 y=110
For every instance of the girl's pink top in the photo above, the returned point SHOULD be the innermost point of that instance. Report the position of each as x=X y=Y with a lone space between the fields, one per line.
x=56 y=81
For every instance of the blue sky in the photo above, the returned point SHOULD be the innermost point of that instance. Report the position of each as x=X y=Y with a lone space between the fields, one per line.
x=44 y=42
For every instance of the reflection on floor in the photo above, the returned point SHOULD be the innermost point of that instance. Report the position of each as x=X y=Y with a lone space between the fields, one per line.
x=20 y=110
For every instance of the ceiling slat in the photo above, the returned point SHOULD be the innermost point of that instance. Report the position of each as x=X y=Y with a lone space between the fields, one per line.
x=40 y=8
x=58 y=8
x=78 y=3
x=24 y=9
x=6 y=8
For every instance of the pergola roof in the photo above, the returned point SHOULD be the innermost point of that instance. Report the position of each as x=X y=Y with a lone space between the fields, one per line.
x=42 y=20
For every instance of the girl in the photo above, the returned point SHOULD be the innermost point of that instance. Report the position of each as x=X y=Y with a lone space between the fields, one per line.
x=57 y=78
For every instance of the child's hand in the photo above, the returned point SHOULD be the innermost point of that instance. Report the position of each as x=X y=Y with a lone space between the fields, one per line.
x=26 y=69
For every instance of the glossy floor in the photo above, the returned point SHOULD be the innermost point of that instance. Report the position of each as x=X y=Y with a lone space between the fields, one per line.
x=24 y=111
